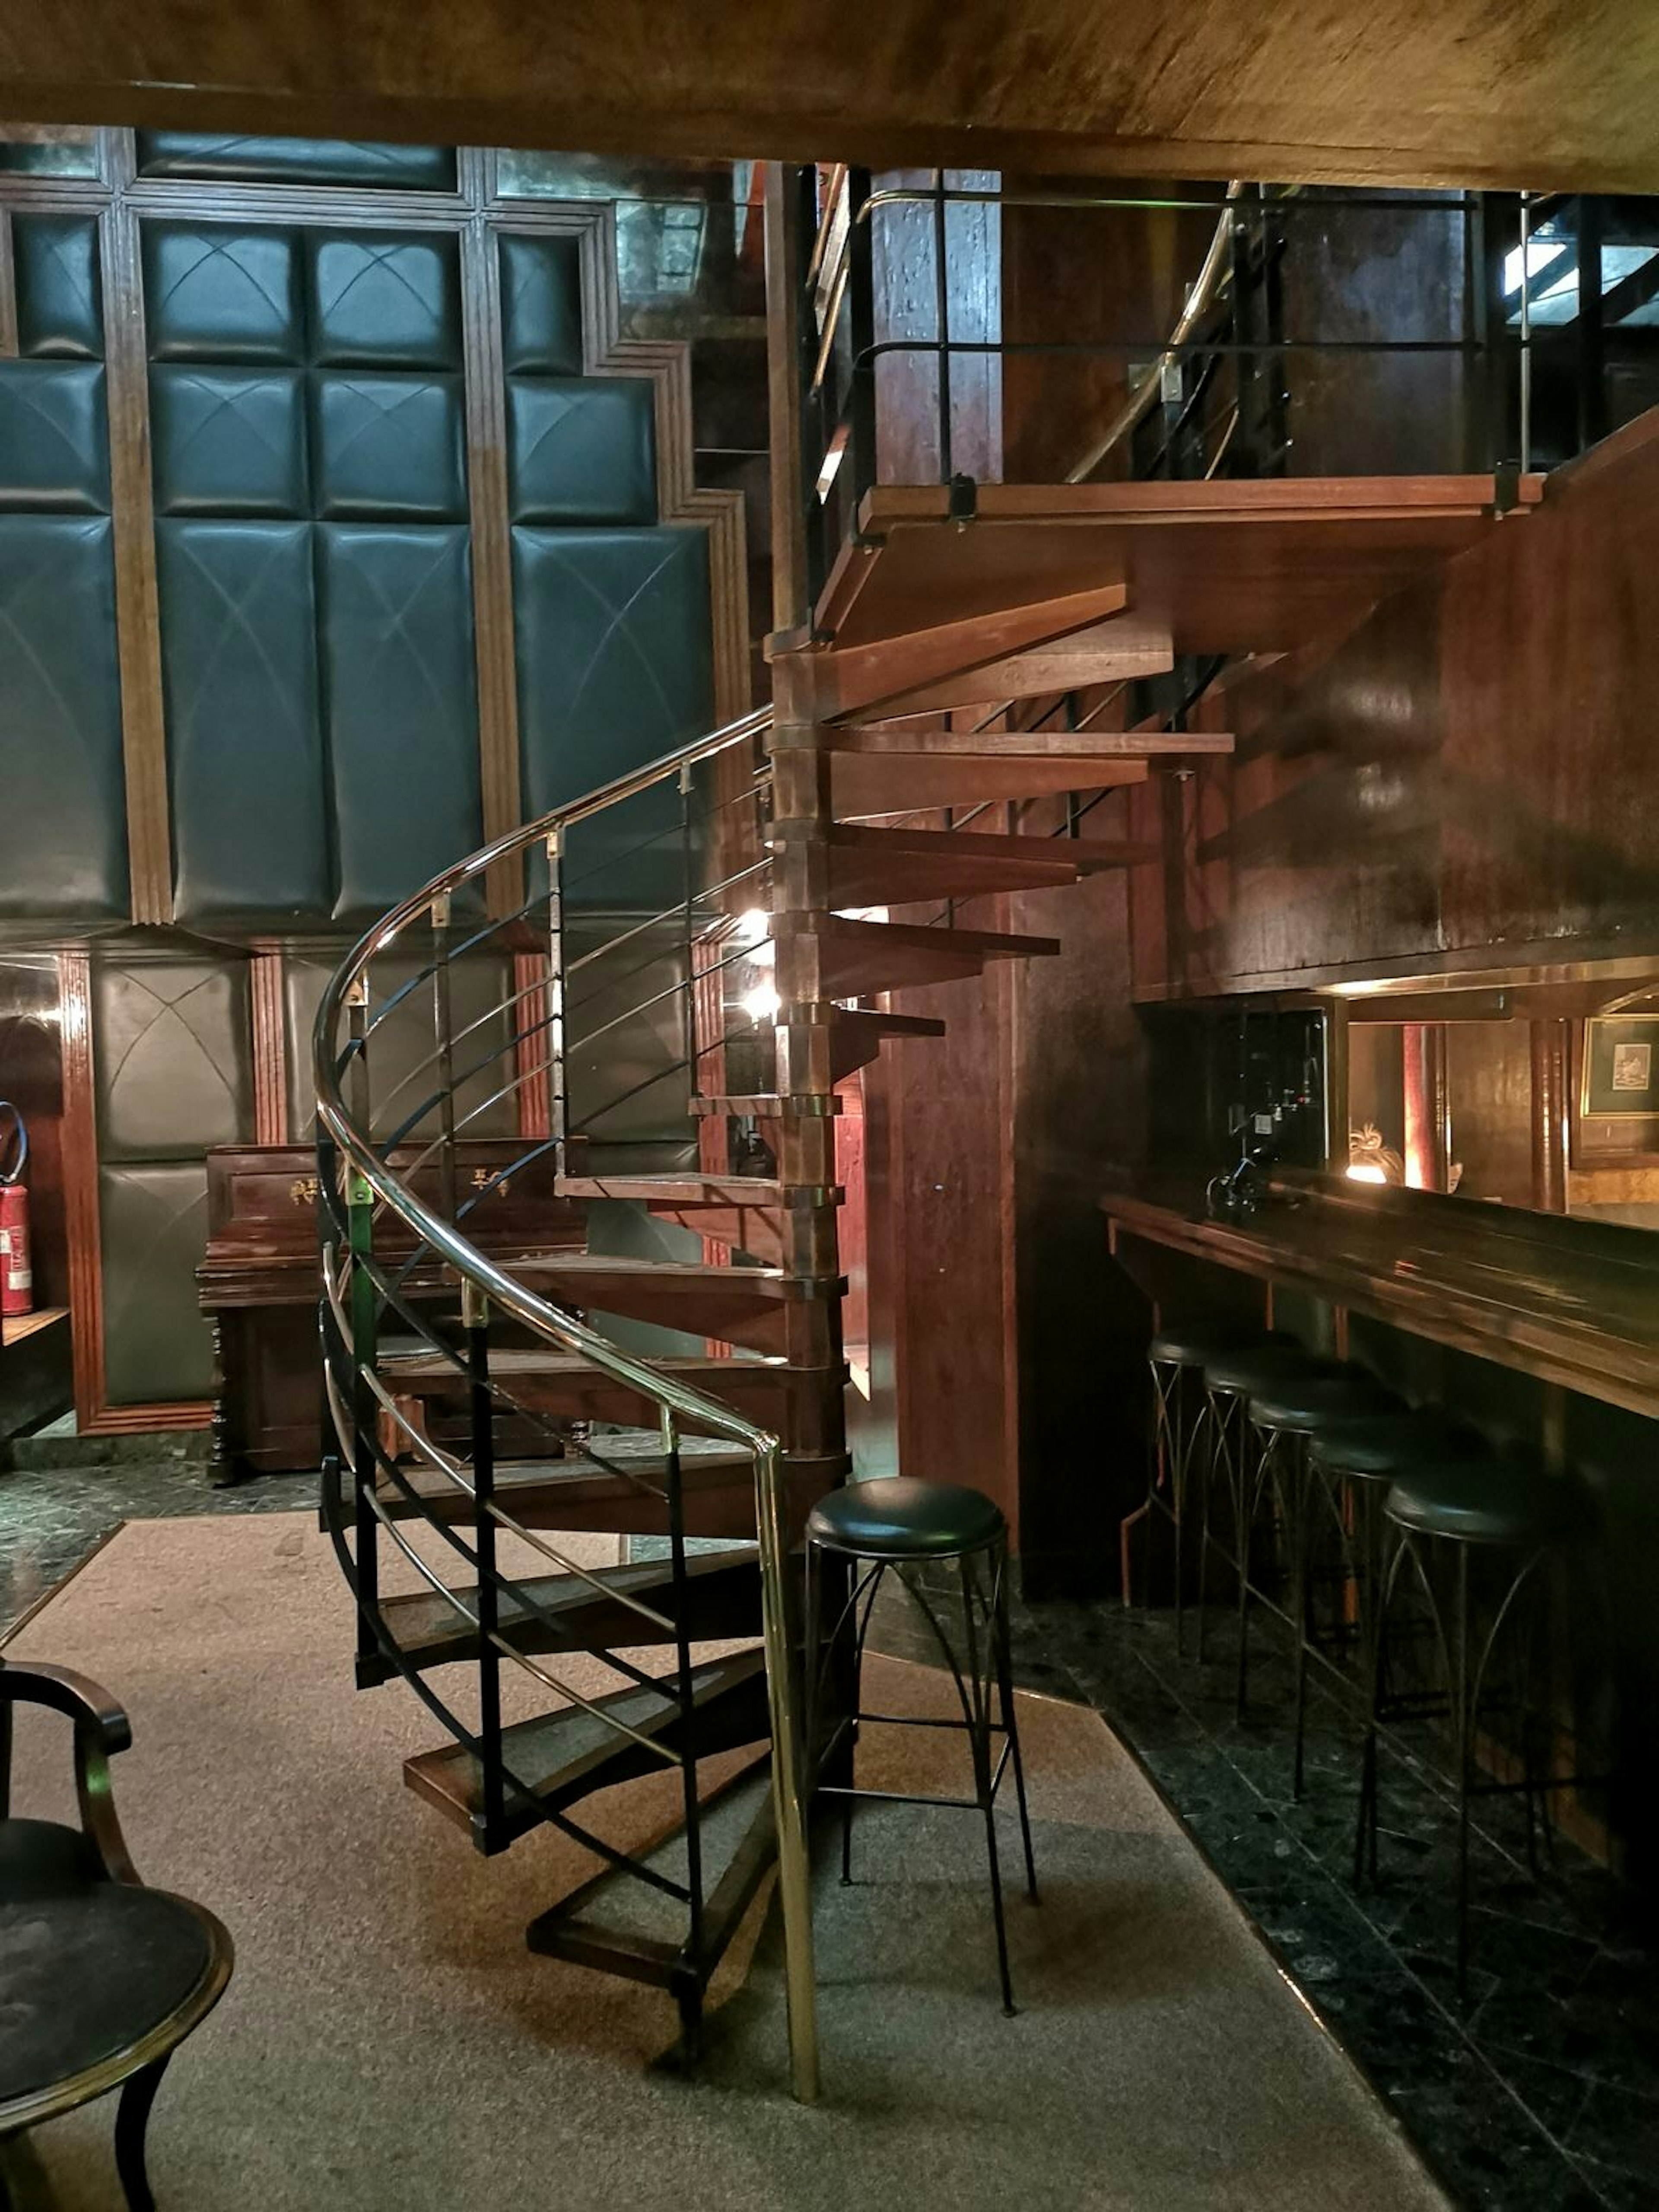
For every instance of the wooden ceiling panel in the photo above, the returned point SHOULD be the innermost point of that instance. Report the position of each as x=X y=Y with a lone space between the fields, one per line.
x=1389 y=91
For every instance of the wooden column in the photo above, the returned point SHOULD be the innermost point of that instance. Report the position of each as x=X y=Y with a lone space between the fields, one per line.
x=1428 y=1118
x=1551 y=1059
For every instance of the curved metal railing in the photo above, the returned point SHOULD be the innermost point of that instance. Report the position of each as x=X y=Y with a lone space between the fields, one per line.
x=399 y=1234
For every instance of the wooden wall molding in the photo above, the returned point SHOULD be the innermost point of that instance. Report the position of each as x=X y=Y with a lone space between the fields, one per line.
x=7 y=290
x=268 y=1019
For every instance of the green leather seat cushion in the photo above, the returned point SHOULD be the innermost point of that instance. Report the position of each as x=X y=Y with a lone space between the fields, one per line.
x=1195 y=1344
x=1251 y=1370
x=1308 y=1402
x=899 y=1517
x=1487 y=1501
x=1390 y=1444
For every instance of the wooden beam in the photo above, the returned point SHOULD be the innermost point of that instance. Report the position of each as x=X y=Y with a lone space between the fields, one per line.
x=1117 y=651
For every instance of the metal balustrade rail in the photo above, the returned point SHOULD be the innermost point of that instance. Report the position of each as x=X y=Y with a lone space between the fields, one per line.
x=406 y=1279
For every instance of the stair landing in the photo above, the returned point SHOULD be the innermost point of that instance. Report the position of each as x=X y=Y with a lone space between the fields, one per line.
x=1230 y=567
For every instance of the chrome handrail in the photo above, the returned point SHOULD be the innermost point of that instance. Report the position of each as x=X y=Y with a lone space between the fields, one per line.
x=673 y=1397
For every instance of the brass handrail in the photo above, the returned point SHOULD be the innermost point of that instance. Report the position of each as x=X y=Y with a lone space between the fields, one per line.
x=674 y=1398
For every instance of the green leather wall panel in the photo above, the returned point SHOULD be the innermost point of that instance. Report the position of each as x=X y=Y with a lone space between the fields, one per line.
x=59 y=305
x=244 y=737
x=384 y=300
x=171 y=1056
x=478 y=986
x=398 y=681
x=299 y=161
x=389 y=446
x=54 y=438
x=153 y=1226
x=614 y=652
x=582 y=450
x=620 y=1049
x=62 y=810
x=213 y=292
x=229 y=441
x=542 y=305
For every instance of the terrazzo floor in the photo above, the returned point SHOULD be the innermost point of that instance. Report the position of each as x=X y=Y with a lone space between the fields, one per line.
x=1544 y=2093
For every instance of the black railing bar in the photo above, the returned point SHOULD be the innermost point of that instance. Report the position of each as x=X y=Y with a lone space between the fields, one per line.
x=513 y=1167
x=674 y=829
x=1137 y=347
x=666 y=1690
x=1290 y=196
x=585 y=1128
x=668 y=914
x=513 y=998
x=570 y=1567
x=467 y=1738
x=412 y=1120
x=834 y=186
x=716 y=923
x=395 y=1474
x=644 y=1006
x=479 y=936
x=505 y=1090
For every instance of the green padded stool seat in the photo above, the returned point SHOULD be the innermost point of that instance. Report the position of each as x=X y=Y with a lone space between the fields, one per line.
x=897 y=1517
x=1259 y=1367
x=1303 y=1404
x=1195 y=1344
x=1486 y=1501
x=1376 y=1447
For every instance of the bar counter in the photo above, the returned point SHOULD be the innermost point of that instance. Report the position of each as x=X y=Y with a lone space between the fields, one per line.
x=1572 y=1302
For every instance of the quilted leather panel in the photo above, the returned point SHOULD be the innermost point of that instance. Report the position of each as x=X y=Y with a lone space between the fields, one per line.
x=582 y=450
x=383 y=299
x=478 y=985
x=63 y=813
x=244 y=734
x=304 y=161
x=215 y=292
x=171 y=1056
x=229 y=441
x=542 y=305
x=624 y=1089
x=152 y=1224
x=389 y=446
x=54 y=438
x=60 y=306
x=399 y=676
x=615 y=663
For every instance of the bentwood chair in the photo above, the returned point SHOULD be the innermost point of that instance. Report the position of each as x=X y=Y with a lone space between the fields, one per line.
x=102 y=1977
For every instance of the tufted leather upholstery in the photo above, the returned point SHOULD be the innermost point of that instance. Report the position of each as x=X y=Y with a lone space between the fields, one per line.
x=383 y=299
x=389 y=446
x=215 y=292
x=542 y=305
x=398 y=675
x=171 y=1055
x=153 y=1226
x=63 y=822
x=54 y=437
x=308 y=160
x=582 y=450
x=229 y=441
x=55 y=270
x=1487 y=1501
x=897 y=1517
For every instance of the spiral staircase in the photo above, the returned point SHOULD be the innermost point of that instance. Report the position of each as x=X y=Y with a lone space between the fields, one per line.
x=724 y=929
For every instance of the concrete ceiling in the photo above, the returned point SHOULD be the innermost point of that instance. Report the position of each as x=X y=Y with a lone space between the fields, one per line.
x=1550 y=93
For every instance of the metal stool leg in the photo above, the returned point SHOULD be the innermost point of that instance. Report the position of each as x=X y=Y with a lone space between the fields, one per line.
x=979 y=1738
x=131 y=2119
x=1001 y=1646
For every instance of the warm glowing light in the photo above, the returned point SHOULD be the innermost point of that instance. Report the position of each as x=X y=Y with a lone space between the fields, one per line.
x=762 y=1004
x=753 y=924
x=1366 y=1171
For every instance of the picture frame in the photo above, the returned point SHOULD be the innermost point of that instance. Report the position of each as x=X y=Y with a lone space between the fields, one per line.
x=1617 y=1089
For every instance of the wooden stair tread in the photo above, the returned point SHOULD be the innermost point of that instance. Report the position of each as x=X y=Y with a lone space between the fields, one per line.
x=596 y=1270
x=556 y=1611
x=879 y=866
x=565 y=1755
x=617 y=1922
x=683 y=1191
x=1232 y=566
x=406 y=1372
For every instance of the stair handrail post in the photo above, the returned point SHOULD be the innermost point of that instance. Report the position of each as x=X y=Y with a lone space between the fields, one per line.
x=790 y=1778
x=863 y=434
x=675 y=1488
x=689 y=887
x=359 y=1218
x=557 y=1102
x=444 y=1038
x=475 y=1322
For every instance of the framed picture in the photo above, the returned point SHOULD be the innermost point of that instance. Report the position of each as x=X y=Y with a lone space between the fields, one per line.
x=1618 y=1116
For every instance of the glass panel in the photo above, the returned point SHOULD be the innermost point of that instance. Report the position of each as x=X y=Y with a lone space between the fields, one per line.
x=48 y=149
x=687 y=235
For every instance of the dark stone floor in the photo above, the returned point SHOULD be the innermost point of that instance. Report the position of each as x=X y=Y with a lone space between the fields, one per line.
x=1544 y=2093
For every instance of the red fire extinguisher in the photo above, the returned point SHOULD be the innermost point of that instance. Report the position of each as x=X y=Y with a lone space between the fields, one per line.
x=16 y=1284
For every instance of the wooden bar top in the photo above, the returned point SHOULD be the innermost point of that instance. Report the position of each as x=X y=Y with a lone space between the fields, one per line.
x=1574 y=1303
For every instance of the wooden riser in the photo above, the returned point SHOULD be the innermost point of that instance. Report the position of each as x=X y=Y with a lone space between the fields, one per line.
x=732 y=1305
x=868 y=867
x=914 y=783
x=569 y=1755
x=575 y=1495
x=564 y=1612
x=825 y=957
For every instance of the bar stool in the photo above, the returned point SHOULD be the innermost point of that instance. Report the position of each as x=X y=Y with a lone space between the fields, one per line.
x=903 y=1523
x=1285 y=1415
x=1442 y=1512
x=1228 y=1382
x=1350 y=1465
x=1175 y=1359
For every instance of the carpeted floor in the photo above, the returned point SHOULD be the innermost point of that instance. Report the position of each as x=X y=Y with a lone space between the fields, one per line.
x=387 y=2042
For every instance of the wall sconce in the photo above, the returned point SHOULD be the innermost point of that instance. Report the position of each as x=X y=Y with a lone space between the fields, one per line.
x=1369 y=1160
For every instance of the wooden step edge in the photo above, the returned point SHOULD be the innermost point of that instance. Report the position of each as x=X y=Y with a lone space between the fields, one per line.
x=767 y=1106
x=983 y=943
x=872 y=1021
x=683 y=1190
